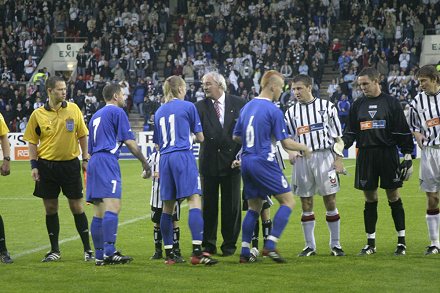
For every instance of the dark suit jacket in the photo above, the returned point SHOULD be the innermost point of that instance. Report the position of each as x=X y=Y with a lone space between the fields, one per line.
x=218 y=150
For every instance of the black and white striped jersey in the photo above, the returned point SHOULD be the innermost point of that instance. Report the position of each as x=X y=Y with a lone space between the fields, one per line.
x=153 y=161
x=316 y=123
x=424 y=117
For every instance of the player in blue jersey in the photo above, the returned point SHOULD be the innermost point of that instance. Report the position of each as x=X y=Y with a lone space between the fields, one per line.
x=259 y=126
x=174 y=124
x=109 y=129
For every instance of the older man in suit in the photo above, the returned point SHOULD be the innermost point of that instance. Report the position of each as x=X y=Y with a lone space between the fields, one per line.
x=218 y=114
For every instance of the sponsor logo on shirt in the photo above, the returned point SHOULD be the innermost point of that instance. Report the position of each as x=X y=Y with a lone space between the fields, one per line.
x=372 y=107
x=373 y=124
x=433 y=122
x=309 y=128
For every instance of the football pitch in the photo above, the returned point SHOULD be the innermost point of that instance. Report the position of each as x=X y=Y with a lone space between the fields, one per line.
x=27 y=242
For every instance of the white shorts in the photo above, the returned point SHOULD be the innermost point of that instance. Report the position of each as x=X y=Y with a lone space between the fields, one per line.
x=430 y=169
x=315 y=175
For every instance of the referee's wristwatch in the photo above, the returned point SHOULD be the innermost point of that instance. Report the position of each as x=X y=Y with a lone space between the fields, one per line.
x=85 y=160
x=7 y=158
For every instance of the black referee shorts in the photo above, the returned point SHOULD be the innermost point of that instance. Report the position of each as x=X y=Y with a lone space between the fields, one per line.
x=59 y=175
x=375 y=163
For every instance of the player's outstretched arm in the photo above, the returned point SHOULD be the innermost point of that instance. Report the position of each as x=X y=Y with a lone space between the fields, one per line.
x=134 y=149
x=290 y=144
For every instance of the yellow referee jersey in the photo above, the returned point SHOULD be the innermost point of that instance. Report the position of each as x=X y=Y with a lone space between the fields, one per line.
x=56 y=132
x=3 y=127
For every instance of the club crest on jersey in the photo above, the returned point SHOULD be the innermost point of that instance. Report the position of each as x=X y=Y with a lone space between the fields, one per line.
x=372 y=114
x=70 y=124
x=321 y=112
x=433 y=122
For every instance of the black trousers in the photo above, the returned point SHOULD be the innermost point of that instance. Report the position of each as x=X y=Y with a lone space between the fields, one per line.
x=230 y=211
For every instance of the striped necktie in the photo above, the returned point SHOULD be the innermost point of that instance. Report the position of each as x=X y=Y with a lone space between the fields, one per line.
x=217 y=109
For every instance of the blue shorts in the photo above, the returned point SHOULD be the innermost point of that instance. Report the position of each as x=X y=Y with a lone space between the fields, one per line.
x=262 y=177
x=103 y=177
x=179 y=176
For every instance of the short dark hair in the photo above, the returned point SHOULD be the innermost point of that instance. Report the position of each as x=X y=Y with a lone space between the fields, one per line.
x=305 y=79
x=428 y=71
x=371 y=72
x=52 y=81
x=110 y=90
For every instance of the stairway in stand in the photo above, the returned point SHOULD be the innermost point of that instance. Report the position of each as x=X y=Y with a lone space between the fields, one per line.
x=340 y=31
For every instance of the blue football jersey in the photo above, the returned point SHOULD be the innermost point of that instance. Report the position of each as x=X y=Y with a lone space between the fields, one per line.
x=260 y=125
x=173 y=124
x=108 y=129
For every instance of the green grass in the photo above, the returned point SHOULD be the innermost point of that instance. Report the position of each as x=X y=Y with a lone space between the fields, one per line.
x=27 y=241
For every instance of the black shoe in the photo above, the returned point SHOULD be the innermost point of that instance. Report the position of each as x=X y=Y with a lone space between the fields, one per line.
x=274 y=255
x=5 y=257
x=204 y=258
x=307 y=251
x=178 y=256
x=367 y=250
x=99 y=262
x=51 y=256
x=400 y=250
x=432 y=250
x=157 y=255
x=117 y=258
x=88 y=255
x=337 y=251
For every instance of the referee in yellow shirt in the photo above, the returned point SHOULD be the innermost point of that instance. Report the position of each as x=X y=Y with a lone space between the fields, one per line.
x=53 y=133
x=4 y=171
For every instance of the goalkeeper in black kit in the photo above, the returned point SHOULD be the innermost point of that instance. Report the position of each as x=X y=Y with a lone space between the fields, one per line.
x=378 y=125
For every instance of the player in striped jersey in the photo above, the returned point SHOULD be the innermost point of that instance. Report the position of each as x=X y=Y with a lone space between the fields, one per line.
x=425 y=126
x=156 y=213
x=259 y=122
x=315 y=122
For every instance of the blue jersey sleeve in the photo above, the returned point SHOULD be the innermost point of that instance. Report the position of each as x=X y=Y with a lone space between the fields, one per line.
x=197 y=125
x=124 y=129
x=279 y=129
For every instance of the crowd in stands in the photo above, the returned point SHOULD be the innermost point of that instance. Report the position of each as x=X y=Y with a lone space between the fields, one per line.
x=386 y=35
x=239 y=38
x=121 y=41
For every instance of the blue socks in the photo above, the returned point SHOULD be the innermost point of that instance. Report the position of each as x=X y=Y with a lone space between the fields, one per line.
x=195 y=222
x=110 y=229
x=97 y=237
x=166 y=226
x=279 y=223
x=247 y=229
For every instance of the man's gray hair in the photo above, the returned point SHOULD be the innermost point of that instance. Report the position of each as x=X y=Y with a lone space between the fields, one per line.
x=218 y=78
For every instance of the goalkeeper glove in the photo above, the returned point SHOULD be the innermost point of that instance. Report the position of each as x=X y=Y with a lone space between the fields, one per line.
x=338 y=147
x=406 y=168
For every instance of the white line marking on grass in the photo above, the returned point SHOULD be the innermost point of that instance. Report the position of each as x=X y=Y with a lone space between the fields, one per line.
x=73 y=238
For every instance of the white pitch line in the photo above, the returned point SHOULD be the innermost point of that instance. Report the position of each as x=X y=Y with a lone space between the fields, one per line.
x=73 y=238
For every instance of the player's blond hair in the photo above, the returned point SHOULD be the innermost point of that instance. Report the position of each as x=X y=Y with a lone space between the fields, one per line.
x=269 y=77
x=171 y=87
